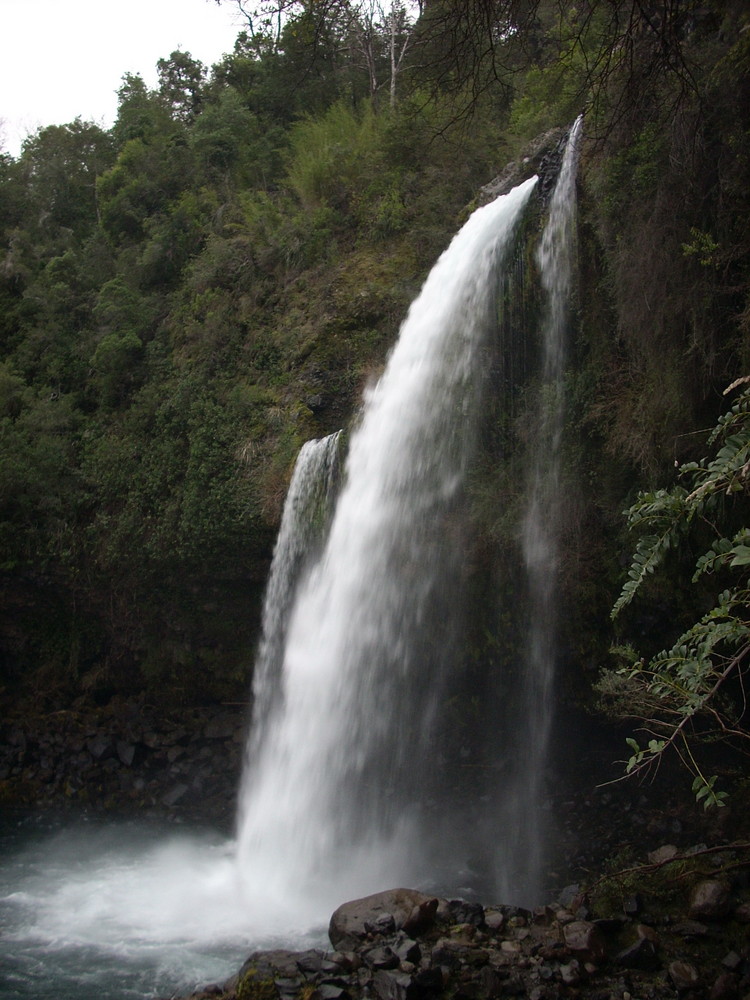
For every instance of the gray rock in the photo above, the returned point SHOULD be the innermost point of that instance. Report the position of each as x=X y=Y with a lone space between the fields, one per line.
x=640 y=955
x=710 y=900
x=568 y=894
x=725 y=987
x=422 y=917
x=570 y=973
x=330 y=991
x=407 y=949
x=466 y=913
x=347 y=925
x=392 y=985
x=310 y=961
x=382 y=957
x=446 y=954
x=690 y=929
x=732 y=961
x=531 y=162
x=684 y=976
x=126 y=752
x=385 y=924
x=100 y=747
x=173 y=796
x=662 y=854
x=584 y=940
x=488 y=981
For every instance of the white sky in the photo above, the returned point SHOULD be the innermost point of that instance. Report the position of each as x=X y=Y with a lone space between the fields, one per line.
x=60 y=59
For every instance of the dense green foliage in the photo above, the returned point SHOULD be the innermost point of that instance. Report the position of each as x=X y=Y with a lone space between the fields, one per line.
x=185 y=300
x=694 y=691
x=188 y=296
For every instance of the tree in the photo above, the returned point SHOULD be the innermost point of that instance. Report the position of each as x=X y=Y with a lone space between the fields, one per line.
x=181 y=79
x=60 y=164
x=479 y=45
x=141 y=113
x=371 y=36
x=695 y=690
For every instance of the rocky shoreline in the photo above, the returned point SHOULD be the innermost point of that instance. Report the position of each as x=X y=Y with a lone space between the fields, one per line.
x=633 y=933
x=602 y=945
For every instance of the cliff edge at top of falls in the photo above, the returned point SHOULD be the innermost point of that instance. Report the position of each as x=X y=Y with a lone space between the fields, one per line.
x=542 y=156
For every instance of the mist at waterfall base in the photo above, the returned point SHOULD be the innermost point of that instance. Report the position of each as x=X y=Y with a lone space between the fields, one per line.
x=344 y=793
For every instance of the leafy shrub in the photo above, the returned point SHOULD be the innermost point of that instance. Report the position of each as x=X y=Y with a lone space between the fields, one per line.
x=685 y=693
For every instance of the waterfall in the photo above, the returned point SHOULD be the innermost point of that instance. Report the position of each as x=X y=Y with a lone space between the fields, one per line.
x=304 y=523
x=522 y=815
x=345 y=793
x=356 y=777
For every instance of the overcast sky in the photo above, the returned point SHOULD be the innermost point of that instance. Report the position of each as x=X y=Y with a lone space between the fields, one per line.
x=60 y=59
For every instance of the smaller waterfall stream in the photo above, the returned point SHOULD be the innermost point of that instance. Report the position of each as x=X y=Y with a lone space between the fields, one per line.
x=522 y=814
x=304 y=523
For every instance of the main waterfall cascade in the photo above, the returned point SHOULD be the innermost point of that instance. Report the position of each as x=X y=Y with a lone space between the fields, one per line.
x=345 y=796
x=348 y=790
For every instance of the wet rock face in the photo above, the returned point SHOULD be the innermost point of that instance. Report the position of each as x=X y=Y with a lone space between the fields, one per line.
x=543 y=156
x=125 y=757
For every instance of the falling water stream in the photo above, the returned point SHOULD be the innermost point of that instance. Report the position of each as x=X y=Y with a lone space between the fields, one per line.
x=521 y=814
x=344 y=790
x=339 y=800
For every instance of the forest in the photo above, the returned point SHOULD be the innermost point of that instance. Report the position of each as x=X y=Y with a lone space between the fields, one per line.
x=189 y=296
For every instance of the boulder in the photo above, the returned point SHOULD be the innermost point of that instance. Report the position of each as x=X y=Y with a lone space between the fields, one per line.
x=584 y=940
x=421 y=918
x=725 y=987
x=663 y=854
x=462 y=912
x=641 y=954
x=684 y=976
x=710 y=900
x=393 y=986
x=381 y=957
x=347 y=926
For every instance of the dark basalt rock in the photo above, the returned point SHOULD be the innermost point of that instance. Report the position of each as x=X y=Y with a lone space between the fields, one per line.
x=543 y=156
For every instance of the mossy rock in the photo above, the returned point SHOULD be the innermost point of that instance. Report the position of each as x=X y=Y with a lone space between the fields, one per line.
x=254 y=986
